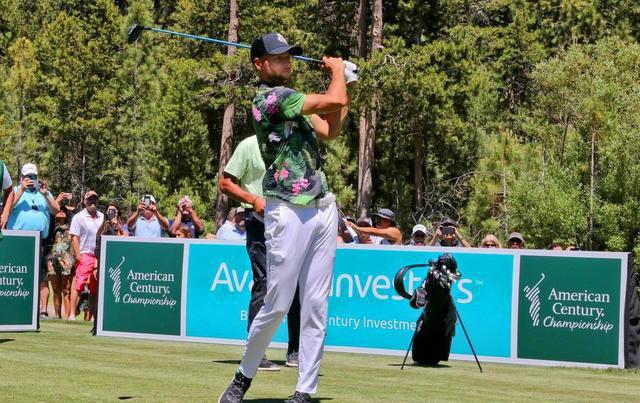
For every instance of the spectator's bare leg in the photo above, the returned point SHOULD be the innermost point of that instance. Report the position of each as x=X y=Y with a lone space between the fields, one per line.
x=56 y=286
x=44 y=296
x=66 y=290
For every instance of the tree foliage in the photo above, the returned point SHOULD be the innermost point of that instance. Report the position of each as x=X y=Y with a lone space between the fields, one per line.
x=505 y=115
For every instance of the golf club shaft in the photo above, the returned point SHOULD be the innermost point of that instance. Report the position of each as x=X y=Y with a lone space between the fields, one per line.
x=222 y=42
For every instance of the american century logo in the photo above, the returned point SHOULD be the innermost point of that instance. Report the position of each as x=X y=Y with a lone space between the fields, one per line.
x=567 y=306
x=143 y=282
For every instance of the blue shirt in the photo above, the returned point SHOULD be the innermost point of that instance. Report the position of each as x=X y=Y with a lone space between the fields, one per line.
x=148 y=228
x=229 y=232
x=31 y=213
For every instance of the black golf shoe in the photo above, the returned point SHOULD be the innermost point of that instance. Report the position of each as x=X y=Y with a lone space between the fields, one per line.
x=299 y=397
x=236 y=389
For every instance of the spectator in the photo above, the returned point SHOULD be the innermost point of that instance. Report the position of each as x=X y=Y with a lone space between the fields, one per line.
x=419 y=235
x=448 y=235
x=233 y=228
x=490 y=241
x=515 y=241
x=363 y=237
x=60 y=262
x=112 y=225
x=84 y=230
x=32 y=205
x=183 y=232
x=384 y=230
x=186 y=216
x=555 y=246
x=147 y=221
x=7 y=195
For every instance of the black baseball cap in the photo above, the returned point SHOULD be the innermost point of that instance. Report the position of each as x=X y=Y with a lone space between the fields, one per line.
x=272 y=43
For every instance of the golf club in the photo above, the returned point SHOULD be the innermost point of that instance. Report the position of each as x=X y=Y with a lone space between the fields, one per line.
x=136 y=30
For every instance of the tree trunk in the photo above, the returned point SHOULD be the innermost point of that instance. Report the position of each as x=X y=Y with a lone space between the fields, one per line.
x=368 y=118
x=227 y=123
x=592 y=188
x=418 y=176
x=21 y=129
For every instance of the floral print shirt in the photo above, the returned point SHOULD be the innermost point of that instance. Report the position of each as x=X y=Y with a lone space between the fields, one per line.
x=288 y=146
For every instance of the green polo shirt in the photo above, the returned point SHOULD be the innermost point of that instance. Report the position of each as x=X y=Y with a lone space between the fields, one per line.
x=247 y=167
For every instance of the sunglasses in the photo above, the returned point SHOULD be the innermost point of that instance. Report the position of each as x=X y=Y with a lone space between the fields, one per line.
x=490 y=245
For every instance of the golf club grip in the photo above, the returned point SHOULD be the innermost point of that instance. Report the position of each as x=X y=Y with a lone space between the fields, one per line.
x=223 y=42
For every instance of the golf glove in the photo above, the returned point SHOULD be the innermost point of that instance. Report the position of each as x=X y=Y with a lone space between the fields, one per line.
x=350 y=72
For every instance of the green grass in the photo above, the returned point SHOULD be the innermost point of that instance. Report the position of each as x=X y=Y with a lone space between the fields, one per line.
x=63 y=362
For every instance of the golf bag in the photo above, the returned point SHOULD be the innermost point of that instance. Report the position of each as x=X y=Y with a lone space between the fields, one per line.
x=435 y=327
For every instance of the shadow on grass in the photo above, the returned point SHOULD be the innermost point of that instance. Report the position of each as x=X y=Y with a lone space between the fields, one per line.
x=315 y=399
x=6 y=340
x=419 y=365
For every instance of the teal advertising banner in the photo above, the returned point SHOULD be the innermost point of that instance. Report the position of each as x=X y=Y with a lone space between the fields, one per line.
x=19 y=260
x=518 y=306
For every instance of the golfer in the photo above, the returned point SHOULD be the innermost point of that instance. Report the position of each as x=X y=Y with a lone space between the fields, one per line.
x=301 y=219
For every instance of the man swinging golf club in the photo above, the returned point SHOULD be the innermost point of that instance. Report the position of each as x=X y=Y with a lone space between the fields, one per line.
x=301 y=218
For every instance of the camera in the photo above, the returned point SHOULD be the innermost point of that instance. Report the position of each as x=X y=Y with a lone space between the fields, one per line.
x=448 y=230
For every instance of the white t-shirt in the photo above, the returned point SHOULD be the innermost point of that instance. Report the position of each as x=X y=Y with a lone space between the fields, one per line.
x=85 y=228
x=6 y=178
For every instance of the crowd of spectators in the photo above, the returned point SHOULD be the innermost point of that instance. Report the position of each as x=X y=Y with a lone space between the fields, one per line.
x=71 y=235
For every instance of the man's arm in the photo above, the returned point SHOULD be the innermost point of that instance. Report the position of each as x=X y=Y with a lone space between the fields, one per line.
x=75 y=242
x=133 y=218
x=164 y=223
x=176 y=223
x=391 y=234
x=7 y=198
x=462 y=240
x=229 y=185
x=197 y=222
x=52 y=203
x=336 y=96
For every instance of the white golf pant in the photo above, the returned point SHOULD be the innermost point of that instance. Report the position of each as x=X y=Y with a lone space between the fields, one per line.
x=301 y=248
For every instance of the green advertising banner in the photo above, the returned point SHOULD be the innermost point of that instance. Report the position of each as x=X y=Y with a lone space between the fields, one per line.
x=19 y=259
x=569 y=309
x=141 y=287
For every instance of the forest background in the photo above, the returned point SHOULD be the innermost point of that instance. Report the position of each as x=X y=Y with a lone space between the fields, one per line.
x=506 y=115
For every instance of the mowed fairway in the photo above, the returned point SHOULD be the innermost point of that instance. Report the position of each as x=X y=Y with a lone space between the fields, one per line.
x=65 y=363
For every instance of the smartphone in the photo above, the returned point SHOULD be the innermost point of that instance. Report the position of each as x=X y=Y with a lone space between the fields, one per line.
x=111 y=214
x=147 y=201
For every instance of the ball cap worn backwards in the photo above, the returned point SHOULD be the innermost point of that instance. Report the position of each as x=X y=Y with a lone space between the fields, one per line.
x=272 y=44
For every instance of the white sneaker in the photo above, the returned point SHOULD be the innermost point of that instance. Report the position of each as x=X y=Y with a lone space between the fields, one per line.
x=72 y=317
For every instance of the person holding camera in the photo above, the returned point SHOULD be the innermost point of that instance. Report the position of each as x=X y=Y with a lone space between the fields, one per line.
x=84 y=230
x=447 y=234
x=187 y=217
x=7 y=195
x=32 y=205
x=147 y=221
x=61 y=261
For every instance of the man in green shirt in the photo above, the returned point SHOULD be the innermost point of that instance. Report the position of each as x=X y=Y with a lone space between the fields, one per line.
x=242 y=181
x=301 y=218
